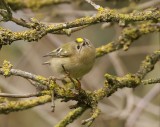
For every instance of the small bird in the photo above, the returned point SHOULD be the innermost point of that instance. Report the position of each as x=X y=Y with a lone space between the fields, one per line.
x=76 y=57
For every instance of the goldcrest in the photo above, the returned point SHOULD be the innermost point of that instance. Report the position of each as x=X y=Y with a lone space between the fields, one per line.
x=76 y=58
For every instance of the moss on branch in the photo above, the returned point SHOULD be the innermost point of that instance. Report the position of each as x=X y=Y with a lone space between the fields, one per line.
x=86 y=98
x=148 y=64
x=71 y=116
x=33 y=4
x=113 y=83
x=38 y=30
x=136 y=24
x=12 y=106
x=127 y=37
x=6 y=68
x=150 y=81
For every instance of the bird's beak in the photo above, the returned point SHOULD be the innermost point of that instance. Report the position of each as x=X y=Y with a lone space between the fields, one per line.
x=49 y=54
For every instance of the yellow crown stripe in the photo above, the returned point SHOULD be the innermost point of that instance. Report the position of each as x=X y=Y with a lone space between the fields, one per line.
x=79 y=40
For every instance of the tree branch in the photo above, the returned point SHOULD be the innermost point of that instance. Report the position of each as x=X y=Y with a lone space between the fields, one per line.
x=86 y=98
x=12 y=106
x=127 y=37
x=20 y=95
x=71 y=116
x=40 y=29
x=112 y=83
x=34 y=4
x=136 y=24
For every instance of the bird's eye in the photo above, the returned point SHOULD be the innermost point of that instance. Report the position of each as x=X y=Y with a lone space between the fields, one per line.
x=78 y=47
x=83 y=44
x=87 y=43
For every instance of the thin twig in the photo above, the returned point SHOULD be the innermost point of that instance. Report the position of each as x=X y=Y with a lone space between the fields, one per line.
x=27 y=75
x=52 y=101
x=93 y=4
x=38 y=110
x=90 y=120
x=150 y=81
x=20 y=95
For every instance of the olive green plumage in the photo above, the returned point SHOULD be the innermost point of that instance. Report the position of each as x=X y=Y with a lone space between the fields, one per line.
x=77 y=57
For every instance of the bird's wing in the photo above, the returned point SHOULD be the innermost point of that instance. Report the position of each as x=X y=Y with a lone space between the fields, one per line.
x=59 y=52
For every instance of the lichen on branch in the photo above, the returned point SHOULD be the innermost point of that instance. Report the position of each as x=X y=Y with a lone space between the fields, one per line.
x=87 y=99
x=33 y=4
x=134 y=25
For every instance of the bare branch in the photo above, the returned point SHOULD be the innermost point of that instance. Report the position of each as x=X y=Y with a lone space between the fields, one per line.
x=97 y=7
